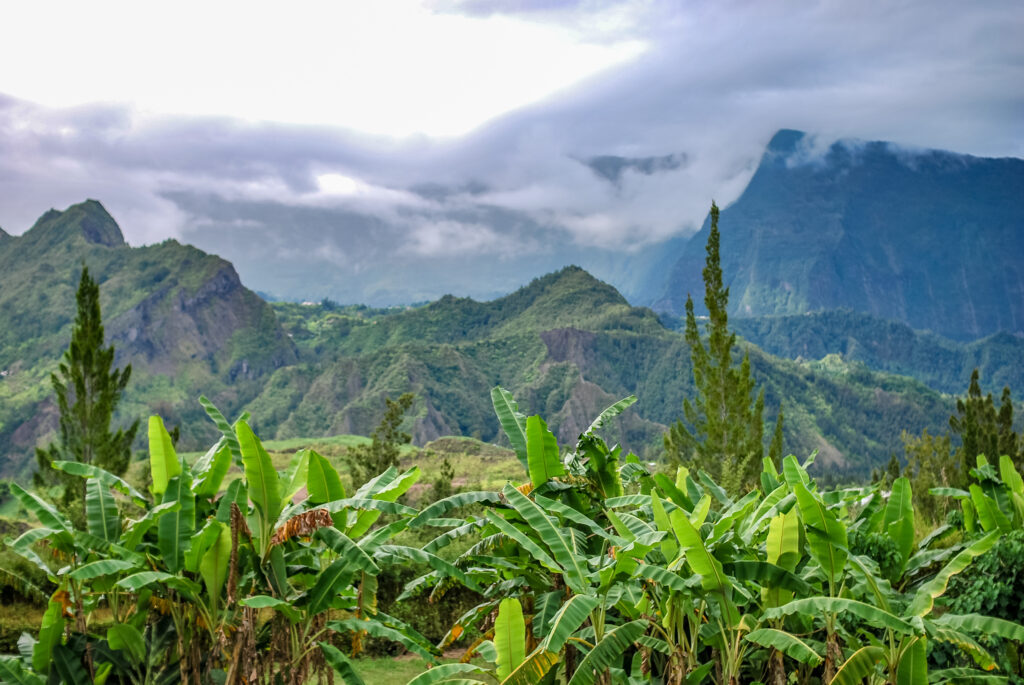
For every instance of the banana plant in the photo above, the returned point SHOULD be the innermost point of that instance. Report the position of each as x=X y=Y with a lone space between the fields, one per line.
x=112 y=562
x=995 y=501
x=538 y=549
x=207 y=579
x=549 y=546
x=712 y=581
x=313 y=559
x=906 y=624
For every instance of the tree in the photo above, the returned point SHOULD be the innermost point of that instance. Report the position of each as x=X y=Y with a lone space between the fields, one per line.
x=1008 y=441
x=775 y=448
x=366 y=461
x=88 y=390
x=931 y=463
x=724 y=431
x=983 y=429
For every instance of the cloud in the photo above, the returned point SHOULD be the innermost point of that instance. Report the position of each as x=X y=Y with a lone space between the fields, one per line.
x=444 y=237
x=609 y=167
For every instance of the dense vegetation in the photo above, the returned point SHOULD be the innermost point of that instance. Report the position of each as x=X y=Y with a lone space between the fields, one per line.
x=890 y=346
x=593 y=569
x=596 y=569
x=179 y=316
x=569 y=344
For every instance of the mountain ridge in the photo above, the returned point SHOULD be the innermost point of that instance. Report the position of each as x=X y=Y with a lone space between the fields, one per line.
x=847 y=227
x=568 y=373
x=89 y=219
x=566 y=344
x=181 y=317
x=891 y=346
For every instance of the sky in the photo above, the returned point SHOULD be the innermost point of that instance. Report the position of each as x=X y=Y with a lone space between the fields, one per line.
x=320 y=145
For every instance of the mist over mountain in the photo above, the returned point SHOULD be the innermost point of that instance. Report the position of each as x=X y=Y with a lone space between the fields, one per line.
x=465 y=240
x=929 y=238
x=567 y=345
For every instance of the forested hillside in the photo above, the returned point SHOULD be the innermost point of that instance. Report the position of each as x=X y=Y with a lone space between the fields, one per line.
x=180 y=316
x=891 y=346
x=567 y=343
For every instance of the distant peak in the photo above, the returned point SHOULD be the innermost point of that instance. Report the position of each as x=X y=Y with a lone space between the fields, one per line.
x=569 y=273
x=569 y=278
x=785 y=141
x=612 y=167
x=88 y=219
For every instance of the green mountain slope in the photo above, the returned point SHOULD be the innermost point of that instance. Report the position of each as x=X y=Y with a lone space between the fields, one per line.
x=891 y=346
x=179 y=316
x=930 y=238
x=567 y=345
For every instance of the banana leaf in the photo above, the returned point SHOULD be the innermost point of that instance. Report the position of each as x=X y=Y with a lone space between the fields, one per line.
x=512 y=422
x=509 y=637
x=608 y=652
x=790 y=645
x=163 y=461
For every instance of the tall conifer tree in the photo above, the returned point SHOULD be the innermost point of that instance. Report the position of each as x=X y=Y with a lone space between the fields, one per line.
x=366 y=461
x=88 y=390
x=723 y=432
x=982 y=428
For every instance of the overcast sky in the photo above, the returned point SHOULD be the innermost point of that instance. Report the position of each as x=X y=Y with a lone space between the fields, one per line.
x=469 y=127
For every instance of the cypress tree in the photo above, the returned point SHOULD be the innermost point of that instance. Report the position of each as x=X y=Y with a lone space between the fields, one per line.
x=88 y=390
x=975 y=424
x=723 y=432
x=982 y=428
x=368 y=461
x=775 y=449
x=1008 y=442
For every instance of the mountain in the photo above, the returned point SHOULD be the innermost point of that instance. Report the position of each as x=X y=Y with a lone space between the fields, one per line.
x=567 y=345
x=891 y=346
x=301 y=253
x=929 y=238
x=181 y=317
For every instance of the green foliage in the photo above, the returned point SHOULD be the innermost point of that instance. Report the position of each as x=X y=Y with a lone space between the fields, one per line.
x=931 y=463
x=597 y=572
x=982 y=431
x=981 y=428
x=88 y=390
x=442 y=486
x=382 y=453
x=324 y=369
x=723 y=433
x=994 y=584
x=775 y=448
x=880 y=548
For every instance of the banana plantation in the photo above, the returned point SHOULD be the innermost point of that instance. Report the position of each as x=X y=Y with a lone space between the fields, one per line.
x=594 y=569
